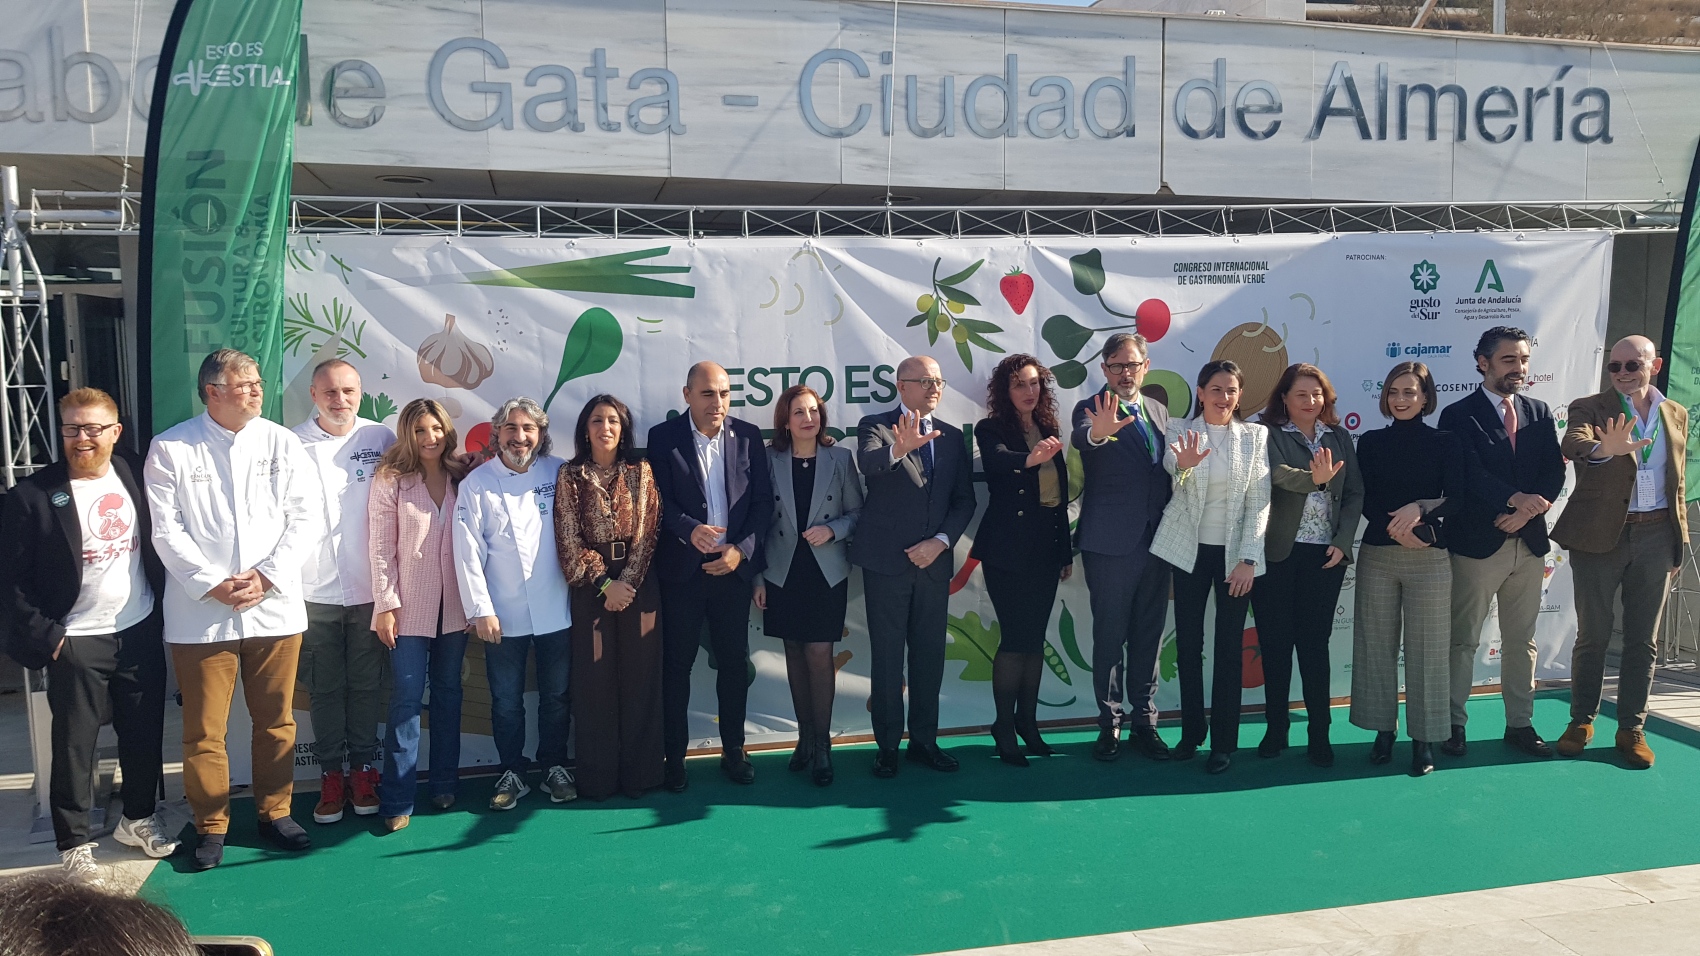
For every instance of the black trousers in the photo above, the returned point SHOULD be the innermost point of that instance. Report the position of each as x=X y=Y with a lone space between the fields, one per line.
x=97 y=677
x=1294 y=602
x=907 y=615
x=723 y=602
x=1192 y=589
x=1130 y=602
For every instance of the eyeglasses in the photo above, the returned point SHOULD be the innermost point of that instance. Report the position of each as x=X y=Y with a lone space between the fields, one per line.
x=1631 y=366
x=249 y=388
x=926 y=383
x=1122 y=368
x=89 y=431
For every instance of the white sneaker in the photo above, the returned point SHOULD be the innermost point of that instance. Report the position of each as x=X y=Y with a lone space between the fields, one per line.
x=147 y=835
x=509 y=789
x=79 y=865
x=558 y=783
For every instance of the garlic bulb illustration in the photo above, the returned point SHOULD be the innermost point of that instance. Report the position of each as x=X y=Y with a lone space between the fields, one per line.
x=452 y=360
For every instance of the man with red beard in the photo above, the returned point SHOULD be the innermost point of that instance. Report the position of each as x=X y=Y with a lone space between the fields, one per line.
x=78 y=575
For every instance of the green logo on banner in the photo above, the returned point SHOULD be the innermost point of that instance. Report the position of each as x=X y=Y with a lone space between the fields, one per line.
x=1425 y=276
x=1489 y=271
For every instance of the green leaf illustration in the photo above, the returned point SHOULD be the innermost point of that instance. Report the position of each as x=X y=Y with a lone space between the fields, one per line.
x=917 y=320
x=960 y=276
x=1088 y=269
x=612 y=273
x=1065 y=336
x=981 y=340
x=1065 y=629
x=979 y=325
x=593 y=345
x=1054 y=661
x=1168 y=659
x=376 y=409
x=957 y=295
x=972 y=642
x=967 y=356
x=1069 y=374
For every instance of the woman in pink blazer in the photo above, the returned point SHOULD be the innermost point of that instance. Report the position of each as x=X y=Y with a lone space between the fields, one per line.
x=417 y=610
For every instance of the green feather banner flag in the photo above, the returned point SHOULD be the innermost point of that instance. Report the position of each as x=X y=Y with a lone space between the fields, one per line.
x=1682 y=329
x=217 y=176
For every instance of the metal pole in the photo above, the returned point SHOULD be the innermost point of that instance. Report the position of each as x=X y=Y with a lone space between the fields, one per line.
x=10 y=352
x=1499 y=16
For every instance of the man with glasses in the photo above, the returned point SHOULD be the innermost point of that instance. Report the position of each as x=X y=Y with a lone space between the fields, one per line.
x=235 y=512
x=1119 y=434
x=342 y=660
x=79 y=575
x=919 y=502
x=1626 y=527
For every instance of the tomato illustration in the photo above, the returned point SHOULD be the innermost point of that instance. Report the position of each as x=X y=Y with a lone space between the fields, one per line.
x=1251 y=660
x=1017 y=289
x=479 y=438
x=963 y=573
x=1153 y=316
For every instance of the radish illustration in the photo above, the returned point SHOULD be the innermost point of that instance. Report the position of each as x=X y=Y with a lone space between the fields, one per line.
x=1017 y=289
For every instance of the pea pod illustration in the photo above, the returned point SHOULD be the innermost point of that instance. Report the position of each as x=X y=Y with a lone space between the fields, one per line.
x=1054 y=661
x=1065 y=627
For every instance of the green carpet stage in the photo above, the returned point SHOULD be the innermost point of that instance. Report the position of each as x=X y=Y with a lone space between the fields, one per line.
x=930 y=861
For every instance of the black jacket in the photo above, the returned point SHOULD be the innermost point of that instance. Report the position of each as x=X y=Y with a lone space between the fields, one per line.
x=41 y=568
x=1017 y=532
x=1496 y=472
x=903 y=507
x=678 y=477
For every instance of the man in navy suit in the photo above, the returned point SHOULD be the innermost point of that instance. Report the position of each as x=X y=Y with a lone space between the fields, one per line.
x=1119 y=434
x=919 y=502
x=716 y=496
x=1499 y=537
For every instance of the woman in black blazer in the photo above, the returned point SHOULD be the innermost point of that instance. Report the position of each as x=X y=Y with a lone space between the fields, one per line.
x=1023 y=541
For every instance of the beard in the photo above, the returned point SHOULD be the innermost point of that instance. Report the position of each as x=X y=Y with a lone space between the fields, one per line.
x=1508 y=384
x=91 y=462
x=519 y=460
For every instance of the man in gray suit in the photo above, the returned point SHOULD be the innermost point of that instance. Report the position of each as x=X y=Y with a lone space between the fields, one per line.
x=1119 y=433
x=920 y=500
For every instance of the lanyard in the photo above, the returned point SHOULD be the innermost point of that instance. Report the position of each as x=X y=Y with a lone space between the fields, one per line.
x=1635 y=426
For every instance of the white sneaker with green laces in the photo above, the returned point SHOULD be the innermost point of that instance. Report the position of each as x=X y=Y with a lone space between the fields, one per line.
x=509 y=789
x=558 y=783
x=147 y=835
x=79 y=865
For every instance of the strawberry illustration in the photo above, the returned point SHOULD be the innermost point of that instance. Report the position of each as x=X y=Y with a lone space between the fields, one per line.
x=1017 y=289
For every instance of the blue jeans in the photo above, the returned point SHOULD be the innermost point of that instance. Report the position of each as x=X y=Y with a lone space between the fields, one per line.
x=409 y=667
x=504 y=670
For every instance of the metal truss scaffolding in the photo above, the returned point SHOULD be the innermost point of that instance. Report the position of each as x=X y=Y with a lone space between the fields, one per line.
x=26 y=415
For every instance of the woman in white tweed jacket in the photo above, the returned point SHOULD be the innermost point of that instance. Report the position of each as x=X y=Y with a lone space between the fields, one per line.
x=1212 y=533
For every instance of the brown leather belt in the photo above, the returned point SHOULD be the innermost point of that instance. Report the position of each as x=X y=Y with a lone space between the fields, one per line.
x=612 y=551
x=1643 y=517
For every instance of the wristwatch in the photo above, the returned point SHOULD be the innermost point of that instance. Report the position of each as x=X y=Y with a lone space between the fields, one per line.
x=1248 y=562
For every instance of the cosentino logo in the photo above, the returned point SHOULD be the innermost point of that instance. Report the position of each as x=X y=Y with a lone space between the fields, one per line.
x=1416 y=350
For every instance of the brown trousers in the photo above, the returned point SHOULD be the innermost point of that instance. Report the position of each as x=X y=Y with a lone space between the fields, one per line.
x=207 y=675
x=617 y=693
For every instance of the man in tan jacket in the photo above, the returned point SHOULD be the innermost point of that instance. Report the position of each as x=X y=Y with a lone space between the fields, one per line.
x=1625 y=525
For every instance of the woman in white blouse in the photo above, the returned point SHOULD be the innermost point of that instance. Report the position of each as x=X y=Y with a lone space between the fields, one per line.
x=1212 y=533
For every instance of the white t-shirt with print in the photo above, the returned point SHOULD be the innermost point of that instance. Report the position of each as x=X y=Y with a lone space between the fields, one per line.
x=115 y=593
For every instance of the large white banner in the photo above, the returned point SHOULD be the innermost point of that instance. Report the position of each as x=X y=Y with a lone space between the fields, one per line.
x=472 y=322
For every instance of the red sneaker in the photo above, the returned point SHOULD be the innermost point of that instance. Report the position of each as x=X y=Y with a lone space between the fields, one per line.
x=365 y=783
x=332 y=794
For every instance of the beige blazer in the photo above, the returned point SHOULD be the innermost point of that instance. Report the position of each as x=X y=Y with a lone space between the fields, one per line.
x=1593 y=517
x=1248 y=498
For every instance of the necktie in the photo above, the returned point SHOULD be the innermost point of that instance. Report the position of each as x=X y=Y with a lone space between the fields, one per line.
x=1510 y=421
x=927 y=450
x=1144 y=428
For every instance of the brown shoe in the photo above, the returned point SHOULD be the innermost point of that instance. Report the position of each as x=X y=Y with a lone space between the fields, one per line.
x=1575 y=739
x=392 y=824
x=1632 y=744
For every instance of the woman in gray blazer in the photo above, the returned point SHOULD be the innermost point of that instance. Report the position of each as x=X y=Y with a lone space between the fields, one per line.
x=805 y=589
x=1314 y=508
x=1212 y=533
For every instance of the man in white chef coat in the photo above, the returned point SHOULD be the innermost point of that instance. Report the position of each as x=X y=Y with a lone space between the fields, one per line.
x=342 y=661
x=235 y=510
x=516 y=596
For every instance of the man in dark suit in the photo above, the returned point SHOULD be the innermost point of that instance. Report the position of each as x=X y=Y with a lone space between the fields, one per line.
x=919 y=502
x=716 y=503
x=1119 y=433
x=79 y=577
x=1498 y=538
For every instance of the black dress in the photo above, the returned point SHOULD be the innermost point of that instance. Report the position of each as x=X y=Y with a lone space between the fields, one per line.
x=806 y=609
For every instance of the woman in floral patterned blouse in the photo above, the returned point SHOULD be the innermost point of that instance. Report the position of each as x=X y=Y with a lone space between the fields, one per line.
x=607 y=511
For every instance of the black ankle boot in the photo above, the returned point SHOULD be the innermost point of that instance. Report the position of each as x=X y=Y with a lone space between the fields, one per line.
x=1003 y=737
x=1382 y=750
x=1029 y=731
x=820 y=760
x=1422 y=758
x=1274 y=741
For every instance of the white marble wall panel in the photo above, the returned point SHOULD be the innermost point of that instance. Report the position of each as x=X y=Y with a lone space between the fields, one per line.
x=94 y=27
x=1652 y=149
x=1521 y=168
x=1082 y=48
x=769 y=139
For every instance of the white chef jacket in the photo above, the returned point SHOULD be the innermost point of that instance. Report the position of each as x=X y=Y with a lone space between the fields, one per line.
x=223 y=503
x=504 y=547
x=339 y=570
